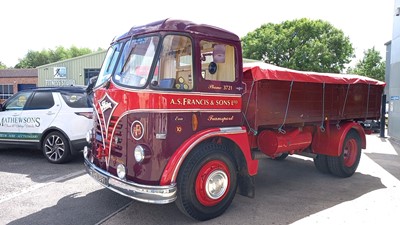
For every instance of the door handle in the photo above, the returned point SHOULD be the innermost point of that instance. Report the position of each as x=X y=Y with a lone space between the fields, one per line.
x=50 y=113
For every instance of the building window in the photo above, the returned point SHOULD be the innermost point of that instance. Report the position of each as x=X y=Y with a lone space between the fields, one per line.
x=89 y=73
x=25 y=86
x=6 y=91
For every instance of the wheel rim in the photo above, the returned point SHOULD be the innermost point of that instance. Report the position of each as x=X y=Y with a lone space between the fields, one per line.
x=350 y=152
x=212 y=183
x=54 y=147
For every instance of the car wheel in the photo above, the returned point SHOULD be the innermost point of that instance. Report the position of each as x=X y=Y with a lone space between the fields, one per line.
x=56 y=148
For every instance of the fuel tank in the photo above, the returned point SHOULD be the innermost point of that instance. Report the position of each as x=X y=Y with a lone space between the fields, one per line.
x=272 y=143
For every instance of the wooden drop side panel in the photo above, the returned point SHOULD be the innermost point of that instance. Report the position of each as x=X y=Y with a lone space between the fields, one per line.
x=309 y=103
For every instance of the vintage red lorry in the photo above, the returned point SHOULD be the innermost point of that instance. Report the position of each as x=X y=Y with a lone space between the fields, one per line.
x=178 y=117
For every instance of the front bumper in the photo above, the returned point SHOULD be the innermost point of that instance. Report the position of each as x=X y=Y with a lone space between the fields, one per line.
x=143 y=193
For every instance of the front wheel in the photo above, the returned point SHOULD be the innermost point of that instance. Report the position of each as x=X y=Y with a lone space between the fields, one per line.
x=346 y=164
x=207 y=182
x=55 y=148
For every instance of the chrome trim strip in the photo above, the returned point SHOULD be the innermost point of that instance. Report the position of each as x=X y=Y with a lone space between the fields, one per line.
x=143 y=193
x=180 y=111
x=232 y=129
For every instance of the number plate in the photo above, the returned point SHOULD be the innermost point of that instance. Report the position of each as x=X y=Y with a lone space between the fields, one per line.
x=99 y=177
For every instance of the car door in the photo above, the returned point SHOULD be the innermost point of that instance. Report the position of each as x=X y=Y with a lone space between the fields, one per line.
x=11 y=121
x=39 y=112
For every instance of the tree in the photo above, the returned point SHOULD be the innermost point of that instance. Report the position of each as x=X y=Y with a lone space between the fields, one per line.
x=303 y=44
x=372 y=65
x=2 y=65
x=34 y=59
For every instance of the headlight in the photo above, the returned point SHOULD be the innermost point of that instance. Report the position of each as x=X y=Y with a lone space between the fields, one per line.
x=89 y=136
x=121 y=171
x=139 y=153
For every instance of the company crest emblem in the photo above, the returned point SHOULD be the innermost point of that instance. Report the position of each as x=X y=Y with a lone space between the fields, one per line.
x=104 y=105
x=137 y=130
x=107 y=106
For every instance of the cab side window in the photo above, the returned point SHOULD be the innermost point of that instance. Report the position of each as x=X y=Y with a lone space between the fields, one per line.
x=217 y=61
x=174 y=68
x=40 y=100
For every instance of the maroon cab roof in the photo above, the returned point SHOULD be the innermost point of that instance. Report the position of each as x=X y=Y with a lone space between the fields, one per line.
x=176 y=25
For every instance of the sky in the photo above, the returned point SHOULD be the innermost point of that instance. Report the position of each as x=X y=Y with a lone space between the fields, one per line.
x=45 y=24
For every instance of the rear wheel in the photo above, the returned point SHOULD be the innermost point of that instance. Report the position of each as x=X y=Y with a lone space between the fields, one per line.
x=346 y=164
x=321 y=163
x=55 y=148
x=207 y=182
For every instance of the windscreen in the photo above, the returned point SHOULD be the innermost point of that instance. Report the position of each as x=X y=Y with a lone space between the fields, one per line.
x=109 y=63
x=137 y=64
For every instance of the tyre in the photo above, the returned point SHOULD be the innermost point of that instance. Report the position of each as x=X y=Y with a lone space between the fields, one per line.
x=346 y=164
x=282 y=156
x=207 y=182
x=321 y=163
x=55 y=148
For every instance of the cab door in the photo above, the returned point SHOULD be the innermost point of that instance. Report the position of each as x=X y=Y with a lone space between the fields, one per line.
x=11 y=122
x=39 y=112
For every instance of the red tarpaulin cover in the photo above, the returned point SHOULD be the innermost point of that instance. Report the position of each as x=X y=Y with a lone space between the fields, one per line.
x=264 y=71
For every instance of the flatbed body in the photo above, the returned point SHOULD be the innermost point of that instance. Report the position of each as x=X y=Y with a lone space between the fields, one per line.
x=278 y=96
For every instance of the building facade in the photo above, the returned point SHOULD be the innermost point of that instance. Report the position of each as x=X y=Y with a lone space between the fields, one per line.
x=14 y=80
x=394 y=78
x=74 y=71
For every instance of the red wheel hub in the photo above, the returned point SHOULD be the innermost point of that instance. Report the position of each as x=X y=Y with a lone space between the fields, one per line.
x=350 y=152
x=212 y=183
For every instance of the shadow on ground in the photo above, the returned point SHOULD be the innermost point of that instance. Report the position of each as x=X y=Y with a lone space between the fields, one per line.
x=74 y=210
x=32 y=164
x=286 y=191
x=390 y=162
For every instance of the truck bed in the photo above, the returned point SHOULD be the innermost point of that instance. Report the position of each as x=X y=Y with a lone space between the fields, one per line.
x=277 y=96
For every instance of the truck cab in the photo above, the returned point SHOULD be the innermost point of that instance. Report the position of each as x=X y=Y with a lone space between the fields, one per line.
x=164 y=90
